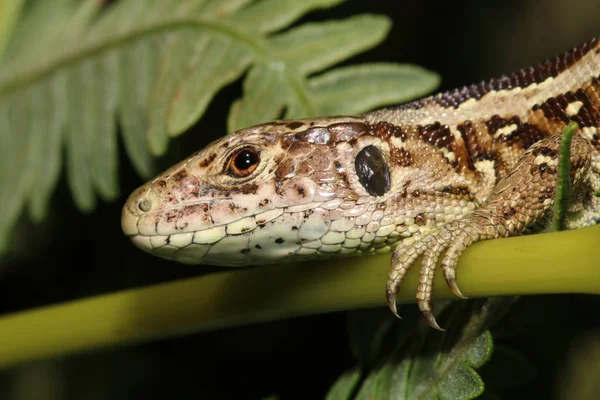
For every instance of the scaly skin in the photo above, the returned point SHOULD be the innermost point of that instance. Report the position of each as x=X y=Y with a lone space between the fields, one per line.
x=442 y=173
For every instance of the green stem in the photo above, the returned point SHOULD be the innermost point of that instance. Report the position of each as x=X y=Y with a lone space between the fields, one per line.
x=563 y=188
x=532 y=264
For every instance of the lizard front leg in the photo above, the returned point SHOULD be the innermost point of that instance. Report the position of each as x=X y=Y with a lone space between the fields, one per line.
x=522 y=198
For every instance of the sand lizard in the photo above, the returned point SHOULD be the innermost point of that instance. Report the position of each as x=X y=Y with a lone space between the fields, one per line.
x=427 y=178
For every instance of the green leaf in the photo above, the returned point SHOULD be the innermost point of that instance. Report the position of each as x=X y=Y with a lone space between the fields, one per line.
x=345 y=386
x=9 y=15
x=74 y=71
x=368 y=86
x=427 y=364
x=315 y=46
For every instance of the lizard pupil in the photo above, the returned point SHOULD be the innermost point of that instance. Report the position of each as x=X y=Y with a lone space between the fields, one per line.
x=372 y=171
x=244 y=162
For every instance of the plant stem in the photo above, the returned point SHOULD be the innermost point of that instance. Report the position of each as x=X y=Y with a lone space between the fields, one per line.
x=536 y=264
x=563 y=188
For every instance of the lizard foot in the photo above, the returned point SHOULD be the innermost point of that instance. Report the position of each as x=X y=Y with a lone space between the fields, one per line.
x=453 y=239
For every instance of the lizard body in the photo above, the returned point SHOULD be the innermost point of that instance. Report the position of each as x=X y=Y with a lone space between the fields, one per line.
x=427 y=178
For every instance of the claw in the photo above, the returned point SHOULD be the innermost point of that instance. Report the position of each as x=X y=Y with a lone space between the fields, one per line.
x=431 y=321
x=454 y=288
x=391 y=301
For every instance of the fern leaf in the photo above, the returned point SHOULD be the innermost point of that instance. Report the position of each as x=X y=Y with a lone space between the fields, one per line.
x=75 y=70
x=423 y=364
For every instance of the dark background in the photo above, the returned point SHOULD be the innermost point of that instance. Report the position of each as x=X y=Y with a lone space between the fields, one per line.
x=73 y=255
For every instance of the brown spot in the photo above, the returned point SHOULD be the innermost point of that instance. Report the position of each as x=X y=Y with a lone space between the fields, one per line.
x=554 y=109
x=263 y=202
x=404 y=191
x=294 y=125
x=179 y=176
x=420 y=219
x=170 y=216
x=416 y=193
x=436 y=134
x=496 y=122
x=170 y=198
x=250 y=188
x=208 y=160
x=195 y=210
x=401 y=157
x=545 y=151
x=385 y=130
x=459 y=190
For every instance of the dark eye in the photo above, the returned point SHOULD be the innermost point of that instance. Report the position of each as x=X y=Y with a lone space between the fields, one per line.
x=243 y=162
x=372 y=171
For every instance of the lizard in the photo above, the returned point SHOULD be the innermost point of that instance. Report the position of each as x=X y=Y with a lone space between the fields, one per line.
x=427 y=179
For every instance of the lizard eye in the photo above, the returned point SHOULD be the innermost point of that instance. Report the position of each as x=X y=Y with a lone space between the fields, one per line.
x=243 y=162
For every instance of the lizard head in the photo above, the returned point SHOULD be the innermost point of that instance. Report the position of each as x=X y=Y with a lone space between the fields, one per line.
x=282 y=191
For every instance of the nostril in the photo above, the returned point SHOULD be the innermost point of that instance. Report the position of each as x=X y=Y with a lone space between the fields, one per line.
x=145 y=205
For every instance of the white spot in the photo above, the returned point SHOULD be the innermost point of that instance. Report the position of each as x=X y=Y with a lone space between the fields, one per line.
x=573 y=108
x=506 y=130
x=449 y=154
x=588 y=132
x=542 y=159
x=486 y=167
